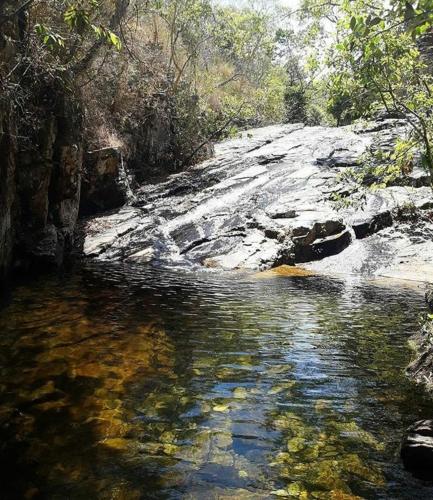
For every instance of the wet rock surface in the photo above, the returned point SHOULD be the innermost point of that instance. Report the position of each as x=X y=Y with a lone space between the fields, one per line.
x=266 y=199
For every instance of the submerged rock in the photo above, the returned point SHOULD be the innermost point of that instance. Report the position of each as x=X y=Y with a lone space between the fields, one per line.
x=285 y=271
x=417 y=449
x=265 y=200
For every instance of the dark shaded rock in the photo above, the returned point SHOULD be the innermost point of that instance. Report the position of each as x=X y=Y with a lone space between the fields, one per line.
x=364 y=228
x=159 y=144
x=322 y=247
x=341 y=157
x=421 y=368
x=417 y=450
x=104 y=185
x=384 y=114
x=41 y=163
x=48 y=183
x=306 y=236
x=281 y=213
x=47 y=246
x=285 y=257
x=383 y=123
x=155 y=142
x=274 y=234
x=8 y=153
x=7 y=188
x=320 y=241
x=416 y=179
x=271 y=159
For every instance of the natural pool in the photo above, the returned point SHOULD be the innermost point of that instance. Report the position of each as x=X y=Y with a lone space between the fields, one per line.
x=122 y=382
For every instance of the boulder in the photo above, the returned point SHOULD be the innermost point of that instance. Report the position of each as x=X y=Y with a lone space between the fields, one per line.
x=417 y=450
x=323 y=247
x=366 y=226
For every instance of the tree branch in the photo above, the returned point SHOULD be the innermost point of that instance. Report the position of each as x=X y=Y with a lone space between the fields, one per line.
x=5 y=18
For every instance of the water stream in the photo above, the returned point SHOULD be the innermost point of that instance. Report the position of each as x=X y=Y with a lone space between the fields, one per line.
x=121 y=382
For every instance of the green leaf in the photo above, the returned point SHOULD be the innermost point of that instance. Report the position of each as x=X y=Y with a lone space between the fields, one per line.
x=115 y=40
x=70 y=16
x=98 y=30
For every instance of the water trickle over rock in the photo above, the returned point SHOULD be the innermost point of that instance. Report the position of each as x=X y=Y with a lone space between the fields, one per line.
x=265 y=200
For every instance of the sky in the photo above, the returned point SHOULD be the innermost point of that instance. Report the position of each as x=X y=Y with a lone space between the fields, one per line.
x=292 y=4
x=287 y=3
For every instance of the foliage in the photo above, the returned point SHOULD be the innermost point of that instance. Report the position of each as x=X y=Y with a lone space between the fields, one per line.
x=227 y=55
x=221 y=68
x=81 y=17
x=306 y=92
x=378 y=62
x=50 y=48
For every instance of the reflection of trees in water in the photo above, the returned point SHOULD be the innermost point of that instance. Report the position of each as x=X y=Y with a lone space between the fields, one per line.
x=116 y=382
x=373 y=342
x=316 y=450
x=355 y=365
x=361 y=349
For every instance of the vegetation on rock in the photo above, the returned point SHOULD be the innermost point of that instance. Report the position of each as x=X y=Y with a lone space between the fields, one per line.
x=120 y=60
x=380 y=60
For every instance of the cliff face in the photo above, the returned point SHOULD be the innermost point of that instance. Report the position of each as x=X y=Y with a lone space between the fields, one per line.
x=46 y=186
x=40 y=190
x=48 y=181
x=47 y=176
x=7 y=190
x=8 y=152
x=41 y=162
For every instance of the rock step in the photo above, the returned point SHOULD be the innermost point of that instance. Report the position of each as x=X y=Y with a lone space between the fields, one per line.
x=264 y=200
x=417 y=450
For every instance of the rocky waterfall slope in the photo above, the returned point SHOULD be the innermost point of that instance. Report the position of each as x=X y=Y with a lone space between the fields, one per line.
x=266 y=199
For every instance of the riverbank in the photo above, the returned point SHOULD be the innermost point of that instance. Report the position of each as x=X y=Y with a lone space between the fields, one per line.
x=267 y=199
x=421 y=368
x=274 y=197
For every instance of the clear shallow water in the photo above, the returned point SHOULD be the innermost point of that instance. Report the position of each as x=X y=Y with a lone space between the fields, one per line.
x=124 y=383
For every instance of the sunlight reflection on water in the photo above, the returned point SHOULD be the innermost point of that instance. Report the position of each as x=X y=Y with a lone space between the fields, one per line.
x=129 y=382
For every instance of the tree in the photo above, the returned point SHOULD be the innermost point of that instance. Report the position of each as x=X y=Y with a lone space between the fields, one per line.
x=377 y=63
